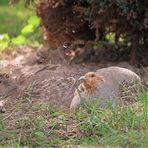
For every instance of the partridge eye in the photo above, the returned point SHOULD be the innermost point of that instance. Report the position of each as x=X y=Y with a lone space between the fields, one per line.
x=92 y=75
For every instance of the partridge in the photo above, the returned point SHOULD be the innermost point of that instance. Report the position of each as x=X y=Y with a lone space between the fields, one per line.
x=105 y=84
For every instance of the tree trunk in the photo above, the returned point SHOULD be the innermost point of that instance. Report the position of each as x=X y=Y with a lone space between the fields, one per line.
x=61 y=23
x=135 y=45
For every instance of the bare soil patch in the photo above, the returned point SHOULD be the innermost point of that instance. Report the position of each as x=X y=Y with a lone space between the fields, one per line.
x=55 y=83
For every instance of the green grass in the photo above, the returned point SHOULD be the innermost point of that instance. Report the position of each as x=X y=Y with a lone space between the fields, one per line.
x=13 y=18
x=42 y=125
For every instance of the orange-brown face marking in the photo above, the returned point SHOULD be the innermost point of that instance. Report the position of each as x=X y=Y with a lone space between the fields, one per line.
x=91 y=80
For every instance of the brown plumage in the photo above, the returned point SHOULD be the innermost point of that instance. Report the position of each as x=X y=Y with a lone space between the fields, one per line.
x=90 y=82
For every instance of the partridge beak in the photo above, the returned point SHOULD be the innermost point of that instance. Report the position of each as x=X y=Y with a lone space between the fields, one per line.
x=82 y=78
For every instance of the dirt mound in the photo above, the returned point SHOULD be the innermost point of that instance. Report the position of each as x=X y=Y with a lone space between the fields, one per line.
x=52 y=83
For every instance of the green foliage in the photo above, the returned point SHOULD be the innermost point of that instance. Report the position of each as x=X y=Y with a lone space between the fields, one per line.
x=19 y=40
x=32 y=24
x=24 y=1
x=4 y=2
x=110 y=37
x=29 y=34
x=16 y=18
x=20 y=27
x=31 y=28
x=4 y=41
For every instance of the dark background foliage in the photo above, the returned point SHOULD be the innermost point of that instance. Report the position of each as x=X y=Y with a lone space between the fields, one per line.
x=65 y=21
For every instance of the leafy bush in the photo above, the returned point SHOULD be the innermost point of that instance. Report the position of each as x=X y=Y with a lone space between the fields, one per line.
x=29 y=34
x=4 y=41
x=32 y=24
x=65 y=20
x=19 y=40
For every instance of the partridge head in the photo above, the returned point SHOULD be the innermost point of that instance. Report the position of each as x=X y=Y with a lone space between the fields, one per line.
x=90 y=81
